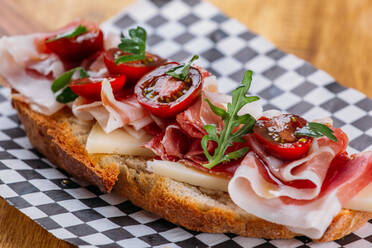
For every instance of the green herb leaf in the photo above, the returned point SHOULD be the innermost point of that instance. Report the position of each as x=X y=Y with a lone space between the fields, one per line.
x=66 y=96
x=128 y=58
x=69 y=34
x=62 y=83
x=138 y=33
x=316 y=130
x=231 y=119
x=135 y=45
x=182 y=72
x=248 y=123
x=130 y=46
x=218 y=111
x=204 y=144
x=212 y=131
x=236 y=154
x=83 y=73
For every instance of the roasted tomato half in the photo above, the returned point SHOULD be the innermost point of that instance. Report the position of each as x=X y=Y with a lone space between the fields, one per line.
x=91 y=87
x=164 y=95
x=134 y=70
x=78 y=47
x=278 y=139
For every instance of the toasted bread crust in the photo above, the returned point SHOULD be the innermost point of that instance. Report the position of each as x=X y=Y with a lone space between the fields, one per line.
x=53 y=137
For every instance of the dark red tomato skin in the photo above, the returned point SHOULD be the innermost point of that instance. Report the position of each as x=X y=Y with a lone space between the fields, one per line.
x=91 y=89
x=134 y=70
x=88 y=61
x=171 y=109
x=79 y=47
x=285 y=150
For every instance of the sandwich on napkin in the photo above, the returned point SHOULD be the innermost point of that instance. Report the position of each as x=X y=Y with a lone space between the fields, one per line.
x=105 y=110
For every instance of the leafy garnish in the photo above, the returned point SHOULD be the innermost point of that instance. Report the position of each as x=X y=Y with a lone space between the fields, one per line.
x=316 y=130
x=135 y=45
x=182 y=72
x=232 y=120
x=63 y=80
x=62 y=83
x=69 y=34
x=66 y=96
x=83 y=73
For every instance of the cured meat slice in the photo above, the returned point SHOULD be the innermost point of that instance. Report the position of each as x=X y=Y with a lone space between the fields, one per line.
x=129 y=110
x=170 y=145
x=305 y=194
x=30 y=72
x=111 y=113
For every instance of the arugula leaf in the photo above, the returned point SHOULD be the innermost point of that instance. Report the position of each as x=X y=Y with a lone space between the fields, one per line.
x=135 y=45
x=182 y=72
x=218 y=111
x=237 y=154
x=62 y=83
x=69 y=34
x=231 y=120
x=316 y=130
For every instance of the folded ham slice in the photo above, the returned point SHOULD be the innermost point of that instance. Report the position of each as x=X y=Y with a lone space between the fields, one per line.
x=29 y=69
x=111 y=113
x=86 y=110
x=305 y=194
x=30 y=72
x=171 y=145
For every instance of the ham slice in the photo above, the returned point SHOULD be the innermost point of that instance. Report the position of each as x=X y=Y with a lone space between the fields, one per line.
x=129 y=110
x=312 y=168
x=170 y=145
x=273 y=190
x=86 y=110
x=30 y=72
x=111 y=113
x=29 y=69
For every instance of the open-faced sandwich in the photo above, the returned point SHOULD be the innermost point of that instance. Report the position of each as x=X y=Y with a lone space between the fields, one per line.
x=159 y=133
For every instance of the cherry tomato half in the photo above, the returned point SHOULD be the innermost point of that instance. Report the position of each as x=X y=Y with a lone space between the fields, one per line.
x=91 y=87
x=164 y=95
x=277 y=136
x=78 y=47
x=134 y=70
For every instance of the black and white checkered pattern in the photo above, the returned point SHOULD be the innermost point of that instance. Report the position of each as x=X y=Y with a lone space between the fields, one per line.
x=80 y=214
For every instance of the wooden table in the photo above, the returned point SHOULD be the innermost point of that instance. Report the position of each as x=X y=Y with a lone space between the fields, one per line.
x=333 y=35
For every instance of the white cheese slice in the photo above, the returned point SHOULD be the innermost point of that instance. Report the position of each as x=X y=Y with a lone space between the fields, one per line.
x=116 y=142
x=181 y=173
x=362 y=201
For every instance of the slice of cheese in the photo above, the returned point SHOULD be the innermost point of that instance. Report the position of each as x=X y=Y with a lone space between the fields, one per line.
x=362 y=201
x=181 y=173
x=116 y=142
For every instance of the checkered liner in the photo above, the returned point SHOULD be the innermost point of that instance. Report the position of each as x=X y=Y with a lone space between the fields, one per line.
x=80 y=214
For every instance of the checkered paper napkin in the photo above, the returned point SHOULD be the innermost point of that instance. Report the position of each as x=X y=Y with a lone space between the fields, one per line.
x=78 y=213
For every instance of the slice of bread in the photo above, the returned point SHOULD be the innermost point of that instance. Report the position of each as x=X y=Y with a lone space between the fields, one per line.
x=62 y=137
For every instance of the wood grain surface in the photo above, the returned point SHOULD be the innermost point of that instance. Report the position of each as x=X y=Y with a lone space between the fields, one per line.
x=333 y=35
